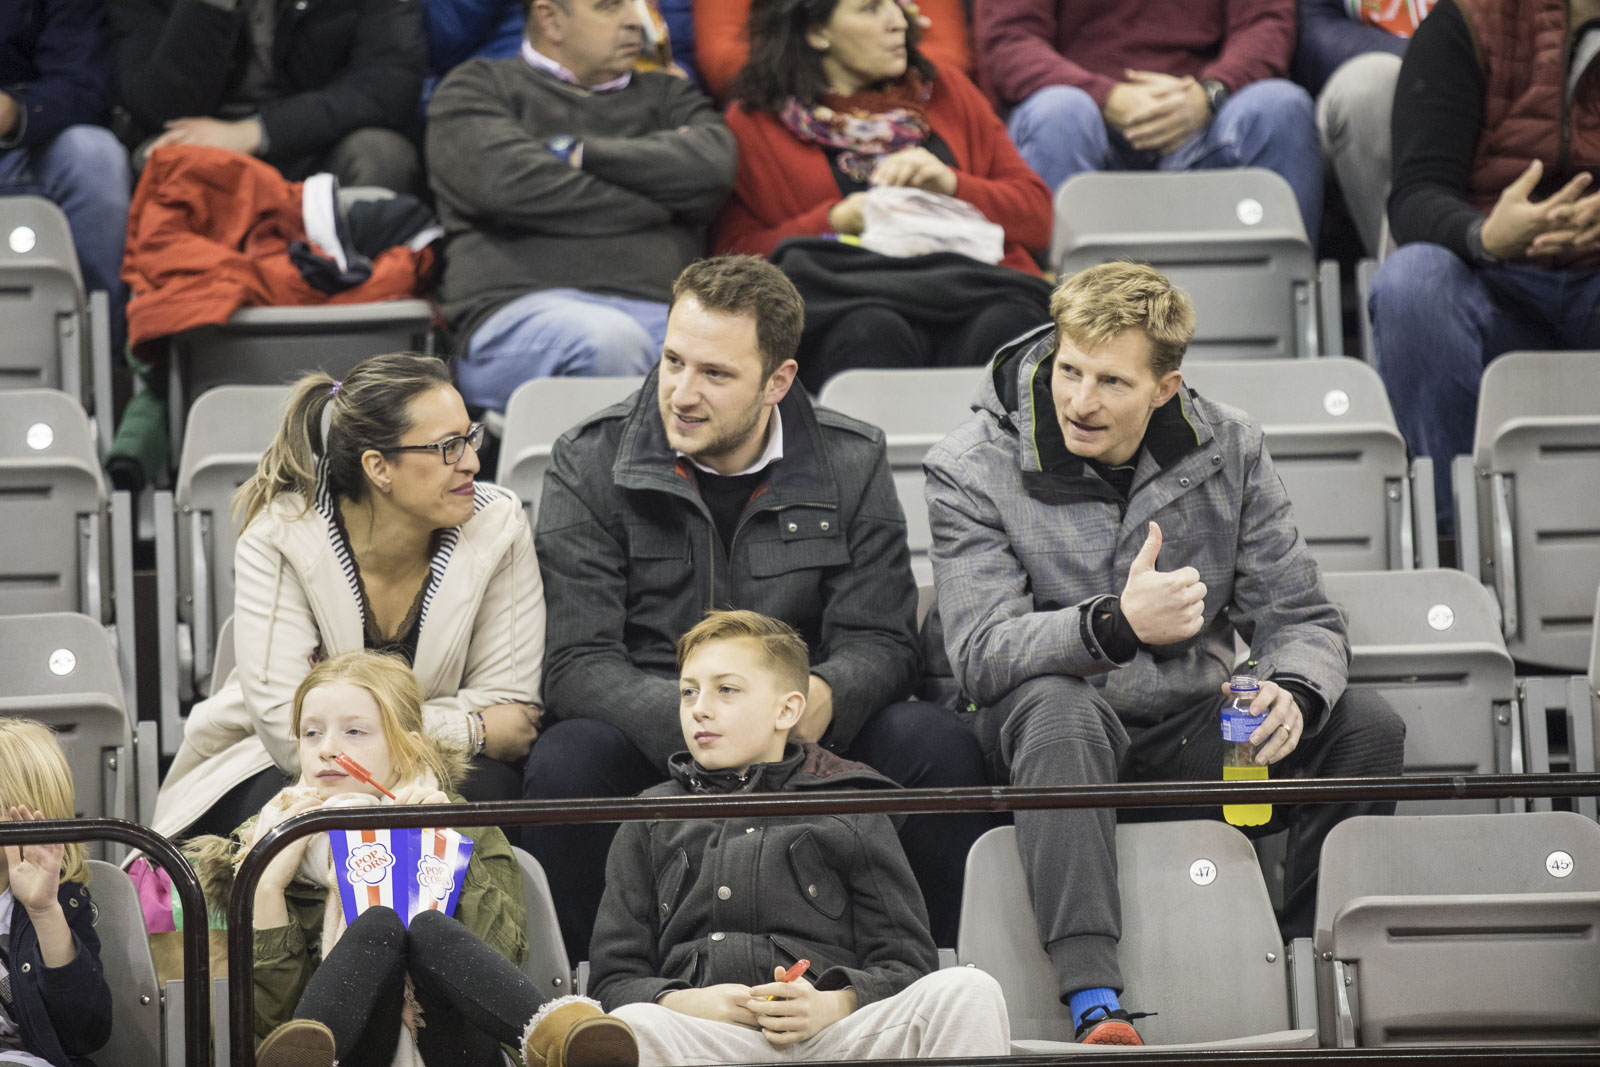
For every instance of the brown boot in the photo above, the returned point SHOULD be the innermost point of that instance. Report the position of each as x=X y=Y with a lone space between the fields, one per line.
x=297 y=1043
x=575 y=1032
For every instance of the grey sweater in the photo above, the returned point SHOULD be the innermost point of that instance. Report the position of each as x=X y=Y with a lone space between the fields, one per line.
x=657 y=164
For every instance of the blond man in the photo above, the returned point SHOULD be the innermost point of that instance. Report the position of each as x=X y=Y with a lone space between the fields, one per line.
x=1101 y=534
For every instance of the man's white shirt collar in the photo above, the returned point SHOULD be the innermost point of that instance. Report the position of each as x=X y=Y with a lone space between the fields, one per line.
x=539 y=61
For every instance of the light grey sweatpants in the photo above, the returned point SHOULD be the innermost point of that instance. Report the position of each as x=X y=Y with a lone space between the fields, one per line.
x=958 y=1011
x=1353 y=118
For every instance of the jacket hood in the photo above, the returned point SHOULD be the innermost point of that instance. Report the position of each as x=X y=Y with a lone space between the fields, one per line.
x=804 y=766
x=1016 y=391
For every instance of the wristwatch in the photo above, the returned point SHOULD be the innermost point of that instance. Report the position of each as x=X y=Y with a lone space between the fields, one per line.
x=562 y=147
x=1216 y=93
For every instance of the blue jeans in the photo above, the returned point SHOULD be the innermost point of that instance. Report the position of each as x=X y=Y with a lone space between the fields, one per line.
x=84 y=170
x=1060 y=132
x=559 y=333
x=1438 y=321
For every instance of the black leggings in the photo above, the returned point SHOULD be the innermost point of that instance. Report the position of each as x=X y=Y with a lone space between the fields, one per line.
x=876 y=336
x=473 y=1000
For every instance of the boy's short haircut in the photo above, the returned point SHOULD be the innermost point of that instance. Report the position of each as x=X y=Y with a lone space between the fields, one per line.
x=783 y=650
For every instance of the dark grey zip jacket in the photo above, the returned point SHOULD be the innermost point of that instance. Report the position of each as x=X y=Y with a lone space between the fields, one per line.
x=631 y=560
x=692 y=903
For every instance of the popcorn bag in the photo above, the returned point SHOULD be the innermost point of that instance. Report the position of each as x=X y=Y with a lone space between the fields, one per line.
x=409 y=870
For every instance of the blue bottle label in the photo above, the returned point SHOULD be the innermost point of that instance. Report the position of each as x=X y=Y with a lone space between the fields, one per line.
x=1237 y=726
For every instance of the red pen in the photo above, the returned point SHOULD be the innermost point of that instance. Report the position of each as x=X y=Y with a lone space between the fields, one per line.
x=793 y=973
x=361 y=774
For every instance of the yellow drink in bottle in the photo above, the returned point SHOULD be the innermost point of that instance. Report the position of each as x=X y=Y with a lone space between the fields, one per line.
x=1238 y=754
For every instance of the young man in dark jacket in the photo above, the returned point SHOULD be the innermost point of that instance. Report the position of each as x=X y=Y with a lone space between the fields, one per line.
x=702 y=919
x=307 y=85
x=53 y=101
x=719 y=485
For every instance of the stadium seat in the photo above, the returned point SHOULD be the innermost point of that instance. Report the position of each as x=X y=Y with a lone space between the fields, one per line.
x=272 y=345
x=1333 y=439
x=60 y=669
x=915 y=409
x=229 y=428
x=546 y=967
x=1200 y=945
x=1429 y=643
x=1232 y=238
x=57 y=336
x=539 y=412
x=1528 y=501
x=129 y=970
x=1460 y=929
x=69 y=544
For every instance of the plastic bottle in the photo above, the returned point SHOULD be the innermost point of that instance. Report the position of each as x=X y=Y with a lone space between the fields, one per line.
x=1238 y=754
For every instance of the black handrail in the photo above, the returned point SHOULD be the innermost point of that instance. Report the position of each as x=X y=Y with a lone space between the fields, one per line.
x=196 y=958
x=241 y=963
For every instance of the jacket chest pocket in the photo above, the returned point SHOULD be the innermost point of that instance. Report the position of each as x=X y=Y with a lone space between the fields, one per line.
x=669 y=884
x=815 y=880
x=799 y=539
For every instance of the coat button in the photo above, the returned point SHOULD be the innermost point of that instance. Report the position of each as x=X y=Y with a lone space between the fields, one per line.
x=1216 y=461
x=663 y=909
x=794 y=527
x=824 y=527
x=26 y=967
x=723 y=893
x=718 y=936
x=811 y=890
x=1184 y=482
x=749 y=829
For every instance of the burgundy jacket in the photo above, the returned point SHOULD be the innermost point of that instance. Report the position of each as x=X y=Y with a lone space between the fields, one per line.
x=1027 y=45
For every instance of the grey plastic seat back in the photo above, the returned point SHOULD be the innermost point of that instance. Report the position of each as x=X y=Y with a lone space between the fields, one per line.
x=1333 y=439
x=60 y=669
x=272 y=345
x=1465 y=929
x=1537 y=454
x=539 y=412
x=1200 y=944
x=915 y=409
x=53 y=506
x=129 y=970
x=546 y=967
x=43 y=310
x=1429 y=643
x=1232 y=238
x=229 y=428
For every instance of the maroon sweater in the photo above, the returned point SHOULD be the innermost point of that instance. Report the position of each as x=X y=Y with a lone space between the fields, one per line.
x=1026 y=45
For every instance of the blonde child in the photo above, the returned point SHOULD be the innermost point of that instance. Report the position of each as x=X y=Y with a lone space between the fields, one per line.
x=55 y=1006
x=373 y=992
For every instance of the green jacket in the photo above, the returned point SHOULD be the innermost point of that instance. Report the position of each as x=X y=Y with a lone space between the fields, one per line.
x=490 y=905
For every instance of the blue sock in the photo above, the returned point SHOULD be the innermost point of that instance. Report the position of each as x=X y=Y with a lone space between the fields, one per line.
x=1084 y=999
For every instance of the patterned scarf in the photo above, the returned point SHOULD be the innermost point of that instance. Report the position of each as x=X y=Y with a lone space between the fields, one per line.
x=863 y=127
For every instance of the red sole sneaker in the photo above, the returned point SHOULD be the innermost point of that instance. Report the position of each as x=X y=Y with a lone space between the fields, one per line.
x=1112 y=1032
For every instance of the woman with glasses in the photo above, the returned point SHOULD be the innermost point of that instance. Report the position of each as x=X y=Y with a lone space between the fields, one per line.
x=365 y=527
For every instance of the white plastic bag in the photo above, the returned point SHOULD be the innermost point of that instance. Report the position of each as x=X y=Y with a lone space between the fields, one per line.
x=902 y=221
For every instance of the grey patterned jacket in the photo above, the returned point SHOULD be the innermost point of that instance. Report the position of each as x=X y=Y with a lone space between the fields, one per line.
x=1027 y=539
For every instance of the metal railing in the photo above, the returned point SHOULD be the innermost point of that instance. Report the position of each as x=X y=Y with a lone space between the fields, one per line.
x=241 y=1001
x=196 y=957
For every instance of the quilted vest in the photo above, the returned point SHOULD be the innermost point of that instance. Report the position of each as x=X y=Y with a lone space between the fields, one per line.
x=1522 y=45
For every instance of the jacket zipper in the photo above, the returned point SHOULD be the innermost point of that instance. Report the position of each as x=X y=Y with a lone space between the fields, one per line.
x=739 y=528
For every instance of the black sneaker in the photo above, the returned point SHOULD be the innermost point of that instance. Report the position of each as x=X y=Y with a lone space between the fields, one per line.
x=1108 y=1026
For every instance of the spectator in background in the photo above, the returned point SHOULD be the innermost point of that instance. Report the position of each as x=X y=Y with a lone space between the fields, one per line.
x=722 y=43
x=837 y=99
x=459 y=30
x=573 y=189
x=718 y=485
x=1496 y=151
x=1149 y=84
x=308 y=87
x=54 y=70
x=1347 y=55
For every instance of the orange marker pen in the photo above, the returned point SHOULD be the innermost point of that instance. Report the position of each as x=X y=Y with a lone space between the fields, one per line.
x=793 y=973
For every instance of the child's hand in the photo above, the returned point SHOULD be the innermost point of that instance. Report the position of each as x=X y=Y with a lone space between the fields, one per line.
x=35 y=869
x=801 y=1010
x=419 y=794
x=726 y=1003
x=280 y=872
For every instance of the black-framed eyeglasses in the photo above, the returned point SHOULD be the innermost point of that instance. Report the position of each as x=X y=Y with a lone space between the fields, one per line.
x=450 y=449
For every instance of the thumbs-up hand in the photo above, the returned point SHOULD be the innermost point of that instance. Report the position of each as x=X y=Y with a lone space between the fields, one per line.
x=1163 y=607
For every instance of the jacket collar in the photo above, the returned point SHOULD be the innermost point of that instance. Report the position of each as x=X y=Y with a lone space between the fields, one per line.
x=1017 y=391
x=803 y=766
x=803 y=476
